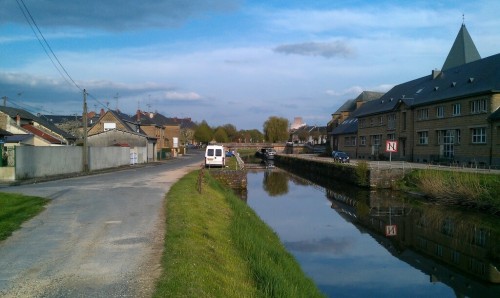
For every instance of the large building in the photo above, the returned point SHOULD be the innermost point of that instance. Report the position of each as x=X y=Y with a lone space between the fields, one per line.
x=449 y=116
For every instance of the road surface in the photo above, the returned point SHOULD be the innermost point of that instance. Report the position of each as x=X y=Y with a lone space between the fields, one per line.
x=100 y=236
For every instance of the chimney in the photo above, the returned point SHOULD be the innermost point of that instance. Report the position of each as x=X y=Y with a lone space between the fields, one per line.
x=102 y=112
x=18 y=120
x=435 y=73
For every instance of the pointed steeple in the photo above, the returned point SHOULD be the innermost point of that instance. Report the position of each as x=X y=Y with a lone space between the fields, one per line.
x=463 y=50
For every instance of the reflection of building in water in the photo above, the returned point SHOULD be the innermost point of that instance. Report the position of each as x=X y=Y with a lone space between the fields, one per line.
x=457 y=250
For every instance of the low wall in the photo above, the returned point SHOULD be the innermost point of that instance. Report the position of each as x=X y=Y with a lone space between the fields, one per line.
x=333 y=170
x=378 y=178
x=108 y=157
x=7 y=174
x=36 y=162
x=234 y=179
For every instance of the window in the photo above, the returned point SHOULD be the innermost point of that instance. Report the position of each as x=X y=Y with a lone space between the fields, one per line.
x=439 y=250
x=353 y=141
x=423 y=137
x=361 y=123
x=391 y=136
x=423 y=114
x=440 y=112
x=347 y=141
x=376 y=140
x=362 y=141
x=447 y=227
x=479 y=135
x=480 y=236
x=456 y=109
x=391 y=121
x=455 y=257
x=448 y=136
x=381 y=120
x=109 y=126
x=478 y=106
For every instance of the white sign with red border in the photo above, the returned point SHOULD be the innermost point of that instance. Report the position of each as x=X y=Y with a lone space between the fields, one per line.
x=391 y=146
x=391 y=230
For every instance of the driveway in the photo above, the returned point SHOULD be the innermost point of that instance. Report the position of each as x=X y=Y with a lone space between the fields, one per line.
x=100 y=236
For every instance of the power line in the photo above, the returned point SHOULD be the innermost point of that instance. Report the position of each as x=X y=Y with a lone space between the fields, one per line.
x=47 y=48
x=33 y=23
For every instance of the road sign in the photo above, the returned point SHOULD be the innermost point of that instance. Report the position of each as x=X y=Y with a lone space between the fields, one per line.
x=391 y=230
x=391 y=146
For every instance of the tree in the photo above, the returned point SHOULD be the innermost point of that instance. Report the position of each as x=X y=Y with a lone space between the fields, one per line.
x=220 y=135
x=203 y=133
x=231 y=131
x=255 y=136
x=276 y=129
x=303 y=135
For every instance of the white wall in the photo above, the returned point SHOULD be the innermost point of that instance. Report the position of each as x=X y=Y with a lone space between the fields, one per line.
x=32 y=162
x=108 y=157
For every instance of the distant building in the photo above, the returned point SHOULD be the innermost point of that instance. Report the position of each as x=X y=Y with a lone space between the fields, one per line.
x=297 y=123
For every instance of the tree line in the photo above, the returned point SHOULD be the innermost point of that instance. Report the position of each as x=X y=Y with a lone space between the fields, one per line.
x=276 y=129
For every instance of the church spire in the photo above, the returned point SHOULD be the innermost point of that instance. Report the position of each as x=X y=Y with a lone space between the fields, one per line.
x=463 y=50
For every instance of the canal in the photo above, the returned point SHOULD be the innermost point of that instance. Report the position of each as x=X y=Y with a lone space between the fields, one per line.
x=356 y=243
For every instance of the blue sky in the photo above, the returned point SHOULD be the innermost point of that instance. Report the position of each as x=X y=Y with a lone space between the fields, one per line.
x=228 y=61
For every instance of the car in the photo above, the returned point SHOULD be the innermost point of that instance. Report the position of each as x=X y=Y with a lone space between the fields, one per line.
x=333 y=153
x=341 y=156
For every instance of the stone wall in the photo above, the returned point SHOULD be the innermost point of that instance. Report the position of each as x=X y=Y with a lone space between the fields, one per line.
x=356 y=175
x=234 y=179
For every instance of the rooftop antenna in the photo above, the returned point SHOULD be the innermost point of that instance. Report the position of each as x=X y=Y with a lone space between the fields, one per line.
x=116 y=98
x=463 y=19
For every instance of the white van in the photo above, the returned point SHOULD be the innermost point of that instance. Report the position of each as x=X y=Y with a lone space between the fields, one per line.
x=215 y=156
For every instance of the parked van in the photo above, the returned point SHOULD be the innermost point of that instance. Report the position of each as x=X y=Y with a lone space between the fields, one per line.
x=215 y=156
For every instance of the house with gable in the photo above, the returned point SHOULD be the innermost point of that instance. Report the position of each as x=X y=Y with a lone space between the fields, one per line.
x=30 y=130
x=449 y=116
x=115 y=128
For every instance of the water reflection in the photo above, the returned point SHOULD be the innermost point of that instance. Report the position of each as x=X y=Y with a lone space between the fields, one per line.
x=275 y=183
x=351 y=254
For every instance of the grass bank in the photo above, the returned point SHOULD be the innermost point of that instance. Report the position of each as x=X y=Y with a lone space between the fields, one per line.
x=469 y=189
x=16 y=209
x=216 y=246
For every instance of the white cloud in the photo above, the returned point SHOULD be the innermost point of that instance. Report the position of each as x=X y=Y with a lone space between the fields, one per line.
x=182 y=95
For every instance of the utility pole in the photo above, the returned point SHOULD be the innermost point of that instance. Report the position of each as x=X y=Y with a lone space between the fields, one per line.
x=85 y=145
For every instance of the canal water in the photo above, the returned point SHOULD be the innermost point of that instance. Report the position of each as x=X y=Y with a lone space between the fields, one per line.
x=356 y=243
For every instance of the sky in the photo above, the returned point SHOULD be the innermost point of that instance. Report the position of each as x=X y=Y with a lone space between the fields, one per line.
x=226 y=61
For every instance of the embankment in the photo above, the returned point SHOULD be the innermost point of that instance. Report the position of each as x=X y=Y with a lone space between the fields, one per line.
x=360 y=174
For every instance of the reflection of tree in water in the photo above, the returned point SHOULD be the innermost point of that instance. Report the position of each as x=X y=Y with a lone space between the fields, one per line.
x=275 y=183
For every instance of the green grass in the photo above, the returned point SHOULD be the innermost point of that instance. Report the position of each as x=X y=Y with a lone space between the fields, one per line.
x=16 y=209
x=461 y=188
x=216 y=246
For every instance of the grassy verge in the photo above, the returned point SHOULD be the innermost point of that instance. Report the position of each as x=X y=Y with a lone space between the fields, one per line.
x=216 y=246
x=457 y=188
x=16 y=209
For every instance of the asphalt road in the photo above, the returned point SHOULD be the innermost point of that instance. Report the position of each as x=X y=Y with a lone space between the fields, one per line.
x=100 y=236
